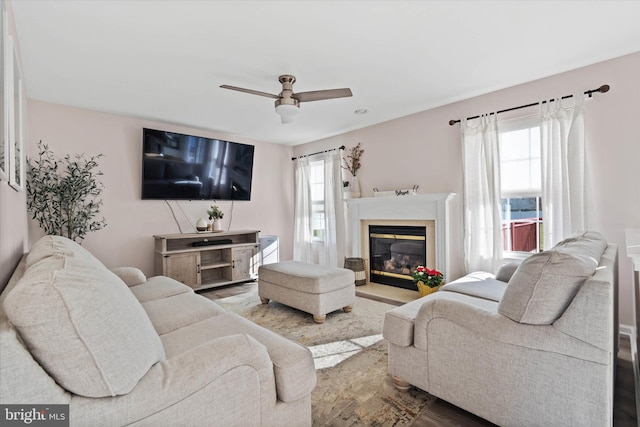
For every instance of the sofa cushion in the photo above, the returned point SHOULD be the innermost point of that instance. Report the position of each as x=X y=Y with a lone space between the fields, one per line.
x=159 y=287
x=178 y=311
x=55 y=245
x=479 y=284
x=83 y=325
x=590 y=243
x=544 y=285
x=131 y=276
x=505 y=272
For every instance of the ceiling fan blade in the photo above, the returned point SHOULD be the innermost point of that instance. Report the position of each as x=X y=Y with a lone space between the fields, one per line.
x=318 y=95
x=253 y=92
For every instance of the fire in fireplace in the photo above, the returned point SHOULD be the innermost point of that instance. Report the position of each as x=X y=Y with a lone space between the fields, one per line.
x=395 y=252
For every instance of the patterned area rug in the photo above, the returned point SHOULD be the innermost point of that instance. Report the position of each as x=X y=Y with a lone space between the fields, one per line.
x=354 y=388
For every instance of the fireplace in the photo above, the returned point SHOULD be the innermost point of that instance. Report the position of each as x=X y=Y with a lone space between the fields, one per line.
x=429 y=211
x=394 y=253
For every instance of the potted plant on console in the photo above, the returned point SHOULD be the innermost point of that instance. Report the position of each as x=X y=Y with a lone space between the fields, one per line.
x=427 y=281
x=216 y=214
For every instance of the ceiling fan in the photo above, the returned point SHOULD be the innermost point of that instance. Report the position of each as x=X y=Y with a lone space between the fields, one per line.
x=288 y=102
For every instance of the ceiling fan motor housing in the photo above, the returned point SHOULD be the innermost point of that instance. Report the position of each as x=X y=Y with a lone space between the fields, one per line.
x=286 y=96
x=287 y=78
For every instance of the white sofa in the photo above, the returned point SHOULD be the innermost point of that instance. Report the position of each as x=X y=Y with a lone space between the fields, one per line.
x=122 y=349
x=534 y=345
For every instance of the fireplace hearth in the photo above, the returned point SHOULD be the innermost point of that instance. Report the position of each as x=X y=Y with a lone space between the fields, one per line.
x=395 y=252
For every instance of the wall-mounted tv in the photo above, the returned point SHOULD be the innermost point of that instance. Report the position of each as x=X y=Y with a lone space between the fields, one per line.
x=185 y=167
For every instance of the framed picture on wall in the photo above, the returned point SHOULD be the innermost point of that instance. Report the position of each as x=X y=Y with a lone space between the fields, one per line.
x=16 y=128
x=4 y=140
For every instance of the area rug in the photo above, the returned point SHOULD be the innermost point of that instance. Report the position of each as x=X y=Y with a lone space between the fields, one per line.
x=353 y=388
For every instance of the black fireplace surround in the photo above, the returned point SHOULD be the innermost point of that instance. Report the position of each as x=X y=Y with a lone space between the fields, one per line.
x=395 y=252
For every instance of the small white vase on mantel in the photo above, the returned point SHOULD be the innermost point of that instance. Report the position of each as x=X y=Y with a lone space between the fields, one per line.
x=217 y=224
x=354 y=187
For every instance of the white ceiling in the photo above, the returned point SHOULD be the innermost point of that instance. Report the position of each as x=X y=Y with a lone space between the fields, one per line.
x=165 y=60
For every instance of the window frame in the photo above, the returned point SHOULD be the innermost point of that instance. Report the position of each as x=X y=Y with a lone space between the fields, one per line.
x=511 y=125
x=317 y=215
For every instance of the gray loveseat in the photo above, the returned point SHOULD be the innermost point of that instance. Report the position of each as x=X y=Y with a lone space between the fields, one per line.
x=534 y=345
x=122 y=349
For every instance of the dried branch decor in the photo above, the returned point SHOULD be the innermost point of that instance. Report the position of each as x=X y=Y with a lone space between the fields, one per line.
x=63 y=195
x=352 y=160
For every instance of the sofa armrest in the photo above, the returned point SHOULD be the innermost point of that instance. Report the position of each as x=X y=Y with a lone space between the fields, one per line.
x=228 y=379
x=132 y=276
x=399 y=321
x=481 y=318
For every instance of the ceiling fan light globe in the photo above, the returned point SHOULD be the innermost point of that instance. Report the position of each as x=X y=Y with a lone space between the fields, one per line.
x=287 y=112
x=286 y=119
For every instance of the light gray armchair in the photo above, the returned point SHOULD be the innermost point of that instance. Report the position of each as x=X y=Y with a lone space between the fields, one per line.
x=539 y=350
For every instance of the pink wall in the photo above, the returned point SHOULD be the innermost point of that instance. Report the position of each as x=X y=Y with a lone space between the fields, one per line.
x=423 y=149
x=13 y=219
x=127 y=240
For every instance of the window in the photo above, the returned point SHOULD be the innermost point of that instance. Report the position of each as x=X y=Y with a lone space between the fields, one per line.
x=521 y=186
x=316 y=180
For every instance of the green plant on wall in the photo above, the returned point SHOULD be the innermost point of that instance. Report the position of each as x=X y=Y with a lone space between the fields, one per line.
x=63 y=194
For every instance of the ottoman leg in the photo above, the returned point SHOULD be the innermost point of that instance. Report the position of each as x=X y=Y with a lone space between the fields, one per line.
x=264 y=300
x=348 y=309
x=319 y=318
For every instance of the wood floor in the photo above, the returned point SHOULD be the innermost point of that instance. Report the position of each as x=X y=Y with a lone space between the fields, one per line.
x=443 y=414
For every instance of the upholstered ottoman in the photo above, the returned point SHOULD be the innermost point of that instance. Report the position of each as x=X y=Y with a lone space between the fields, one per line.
x=314 y=289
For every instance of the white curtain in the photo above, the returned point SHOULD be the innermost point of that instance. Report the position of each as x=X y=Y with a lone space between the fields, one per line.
x=302 y=233
x=566 y=201
x=330 y=251
x=482 y=221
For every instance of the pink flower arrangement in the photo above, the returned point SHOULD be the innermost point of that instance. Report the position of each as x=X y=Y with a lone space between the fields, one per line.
x=431 y=278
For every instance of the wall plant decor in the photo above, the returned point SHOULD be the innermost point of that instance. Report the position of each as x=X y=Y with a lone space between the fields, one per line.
x=63 y=194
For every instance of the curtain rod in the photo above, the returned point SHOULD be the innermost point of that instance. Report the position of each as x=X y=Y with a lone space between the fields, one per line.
x=601 y=89
x=319 y=152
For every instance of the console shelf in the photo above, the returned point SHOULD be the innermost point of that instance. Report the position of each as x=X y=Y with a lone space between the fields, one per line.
x=206 y=260
x=215 y=265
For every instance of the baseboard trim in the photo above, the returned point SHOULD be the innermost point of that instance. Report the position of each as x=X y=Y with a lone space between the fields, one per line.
x=627 y=330
x=631 y=331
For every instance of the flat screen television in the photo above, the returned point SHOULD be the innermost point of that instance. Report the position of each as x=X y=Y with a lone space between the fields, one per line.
x=185 y=167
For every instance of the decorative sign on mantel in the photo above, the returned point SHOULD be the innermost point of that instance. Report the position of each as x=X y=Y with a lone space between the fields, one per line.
x=403 y=192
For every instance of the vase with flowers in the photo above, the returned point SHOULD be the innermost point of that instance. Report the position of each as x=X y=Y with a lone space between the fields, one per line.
x=352 y=164
x=216 y=215
x=427 y=281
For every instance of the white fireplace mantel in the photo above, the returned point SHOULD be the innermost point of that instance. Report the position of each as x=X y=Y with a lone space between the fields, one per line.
x=420 y=207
